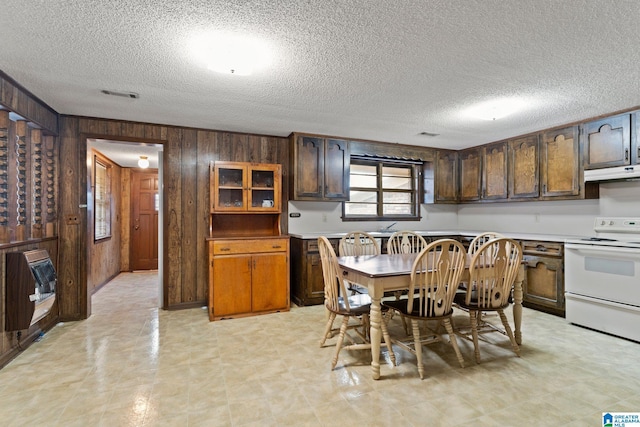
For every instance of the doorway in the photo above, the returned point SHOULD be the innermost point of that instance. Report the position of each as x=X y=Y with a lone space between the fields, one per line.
x=109 y=256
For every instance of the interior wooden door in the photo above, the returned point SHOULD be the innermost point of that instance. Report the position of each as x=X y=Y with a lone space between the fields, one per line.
x=144 y=221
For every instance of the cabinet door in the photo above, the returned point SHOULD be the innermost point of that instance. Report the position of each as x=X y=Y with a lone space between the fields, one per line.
x=229 y=187
x=560 y=162
x=231 y=285
x=314 y=277
x=494 y=171
x=308 y=168
x=607 y=142
x=470 y=175
x=337 y=166
x=543 y=284
x=524 y=172
x=446 y=177
x=270 y=287
x=264 y=184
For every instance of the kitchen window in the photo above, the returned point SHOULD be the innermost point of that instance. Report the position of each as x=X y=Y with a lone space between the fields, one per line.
x=382 y=189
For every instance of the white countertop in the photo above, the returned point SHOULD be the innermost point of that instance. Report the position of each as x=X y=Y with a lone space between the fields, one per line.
x=437 y=233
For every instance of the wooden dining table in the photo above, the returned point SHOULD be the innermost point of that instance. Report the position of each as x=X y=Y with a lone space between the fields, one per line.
x=391 y=272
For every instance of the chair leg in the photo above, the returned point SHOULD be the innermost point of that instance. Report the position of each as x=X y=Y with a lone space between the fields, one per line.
x=473 y=314
x=387 y=338
x=415 y=327
x=454 y=342
x=507 y=329
x=343 y=331
x=327 y=329
x=404 y=324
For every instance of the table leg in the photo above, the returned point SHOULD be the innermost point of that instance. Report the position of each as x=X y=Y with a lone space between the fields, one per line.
x=517 y=304
x=376 y=332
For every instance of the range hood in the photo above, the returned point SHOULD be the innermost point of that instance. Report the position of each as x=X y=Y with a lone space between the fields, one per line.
x=619 y=173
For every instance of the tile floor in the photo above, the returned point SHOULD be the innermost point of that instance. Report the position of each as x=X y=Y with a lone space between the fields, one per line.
x=131 y=364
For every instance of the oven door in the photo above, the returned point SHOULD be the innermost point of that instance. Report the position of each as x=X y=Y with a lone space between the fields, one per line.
x=604 y=272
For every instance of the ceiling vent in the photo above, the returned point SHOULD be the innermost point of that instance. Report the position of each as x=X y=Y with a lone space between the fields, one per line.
x=131 y=95
x=431 y=134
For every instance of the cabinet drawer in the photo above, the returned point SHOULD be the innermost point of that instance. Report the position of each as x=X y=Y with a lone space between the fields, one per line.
x=543 y=248
x=312 y=245
x=228 y=247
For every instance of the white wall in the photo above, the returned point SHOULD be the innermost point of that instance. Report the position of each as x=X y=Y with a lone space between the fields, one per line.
x=570 y=217
x=318 y=217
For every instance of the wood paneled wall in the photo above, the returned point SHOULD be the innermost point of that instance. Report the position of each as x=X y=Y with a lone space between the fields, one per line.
x=104 y=255
x=28 y=194
x=187 y=153
x=21 y=101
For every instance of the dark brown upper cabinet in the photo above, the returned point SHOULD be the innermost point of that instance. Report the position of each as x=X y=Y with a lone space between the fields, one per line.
x=607 y=142
x=446 y=181
x=494 y=171
x=524 y=170
x=320 y=168
x=560 y=162
x=470 y=174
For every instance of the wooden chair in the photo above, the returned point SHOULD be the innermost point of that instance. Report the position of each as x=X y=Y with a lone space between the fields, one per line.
x=358 y=243
x=475 y=244
x=405 y=242
x=481 y=239
x=434 y=279
x=492 y=272
x=339 y=303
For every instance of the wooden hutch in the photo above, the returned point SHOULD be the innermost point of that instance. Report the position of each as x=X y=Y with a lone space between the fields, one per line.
x=248 y=255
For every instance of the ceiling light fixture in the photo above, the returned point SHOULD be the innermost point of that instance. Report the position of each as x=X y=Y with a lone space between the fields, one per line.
x=496 y=109
x=231 y=53
x=143 y=162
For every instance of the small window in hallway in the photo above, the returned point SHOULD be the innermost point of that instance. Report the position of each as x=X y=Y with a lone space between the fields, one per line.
x=102 y=201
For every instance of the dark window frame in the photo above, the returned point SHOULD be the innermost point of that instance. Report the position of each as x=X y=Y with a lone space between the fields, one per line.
x=379 y=163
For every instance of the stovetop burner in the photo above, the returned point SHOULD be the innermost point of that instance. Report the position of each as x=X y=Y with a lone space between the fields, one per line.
x=598 y=239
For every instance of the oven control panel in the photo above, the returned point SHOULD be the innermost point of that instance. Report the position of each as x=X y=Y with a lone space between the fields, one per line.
x=617 y=225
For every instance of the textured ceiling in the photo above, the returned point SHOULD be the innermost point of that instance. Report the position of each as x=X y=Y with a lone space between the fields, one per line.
x=369 y=69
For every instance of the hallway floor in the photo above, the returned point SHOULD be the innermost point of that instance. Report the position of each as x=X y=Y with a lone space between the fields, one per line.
x=132 y=364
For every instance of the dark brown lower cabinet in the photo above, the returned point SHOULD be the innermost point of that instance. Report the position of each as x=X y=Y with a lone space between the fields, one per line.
x=543 y=284
x=307 y=283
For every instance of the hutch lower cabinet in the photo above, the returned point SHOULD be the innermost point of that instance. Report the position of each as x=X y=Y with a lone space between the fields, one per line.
x=248 y=276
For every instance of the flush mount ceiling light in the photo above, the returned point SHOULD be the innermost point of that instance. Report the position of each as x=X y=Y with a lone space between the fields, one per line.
x=143 y=162
x=231 y=53
x=496 y=108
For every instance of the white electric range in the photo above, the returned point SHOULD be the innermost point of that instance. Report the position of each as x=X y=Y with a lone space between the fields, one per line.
x=602 y=278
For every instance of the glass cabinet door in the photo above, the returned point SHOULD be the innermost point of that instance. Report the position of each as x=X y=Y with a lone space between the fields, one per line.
x=263 y=184
x=262 y=189
x=230 y=185
x=237 y=187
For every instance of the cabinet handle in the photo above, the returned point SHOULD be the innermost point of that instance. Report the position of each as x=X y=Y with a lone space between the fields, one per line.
x=639 y=152
x=225 y=249
x=626 y=154
x=541 y=248
x=276 y=246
